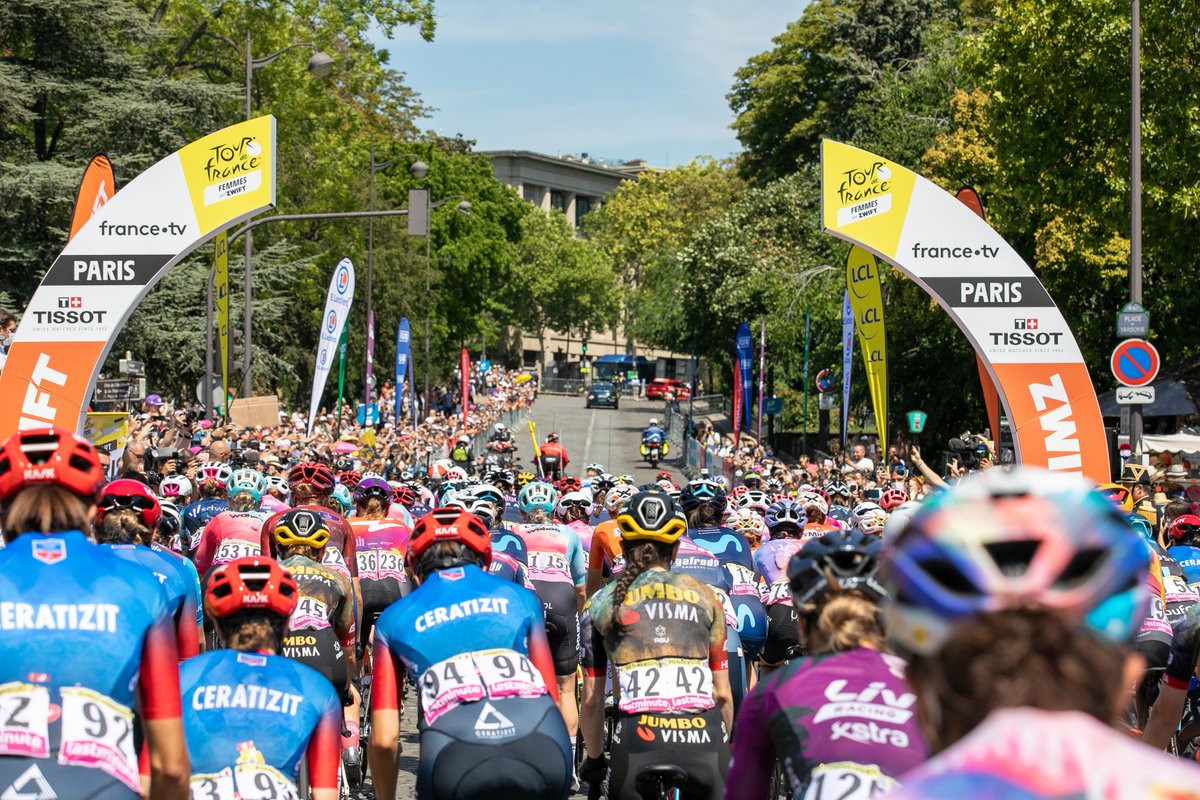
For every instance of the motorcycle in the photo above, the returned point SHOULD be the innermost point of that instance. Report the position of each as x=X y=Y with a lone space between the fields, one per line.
x=501 y=452
x=654 y=449
x=551 y=466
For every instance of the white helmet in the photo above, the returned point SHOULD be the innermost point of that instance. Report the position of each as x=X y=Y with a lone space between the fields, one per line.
x=653 y=422
x=175 y=486
x=575 y=499
x=500 y=427
x=617 y=497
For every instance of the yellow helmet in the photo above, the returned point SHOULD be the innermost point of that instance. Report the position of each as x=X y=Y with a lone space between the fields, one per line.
x=1120 y=496
x=301 y=527
x=524 y=478
x=651 y=516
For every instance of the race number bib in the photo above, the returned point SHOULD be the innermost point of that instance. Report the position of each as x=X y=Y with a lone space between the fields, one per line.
x=232 y=549
x=845 y=780
x=24 y=720
x=668 y=684
x=260 y=782
x=778 y=592
x=468 y=677
x=213 y=786
x=332 y=557
x=377 y=565
x=98 y=732
x=546 y=565
x=310 y=614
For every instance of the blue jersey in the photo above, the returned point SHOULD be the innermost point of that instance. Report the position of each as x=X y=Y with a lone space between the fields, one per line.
x=733 y=551
x=80 y=629
x=196 y=515
x=248 y=719
x=724 y=543
x=193 y=577
x=1189 y=560
x=506 y=541
x=175 y=581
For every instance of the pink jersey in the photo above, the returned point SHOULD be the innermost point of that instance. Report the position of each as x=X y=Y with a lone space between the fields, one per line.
x=229 y=535
x=555 y=553
x=585 y=533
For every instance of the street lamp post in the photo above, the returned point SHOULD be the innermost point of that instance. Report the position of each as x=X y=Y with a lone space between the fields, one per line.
x=464 y=207
x=319 y=65
x=418 y=170
x=1135 y=186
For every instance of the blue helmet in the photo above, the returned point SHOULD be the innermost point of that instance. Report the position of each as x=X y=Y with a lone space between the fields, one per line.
x=783 y=513
x=702 y=492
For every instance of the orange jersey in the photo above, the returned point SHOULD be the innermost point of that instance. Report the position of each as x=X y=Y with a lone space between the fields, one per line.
x=606 y=546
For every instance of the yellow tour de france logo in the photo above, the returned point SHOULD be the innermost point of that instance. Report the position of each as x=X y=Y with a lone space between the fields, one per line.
x=231 y=172
x=865 y=197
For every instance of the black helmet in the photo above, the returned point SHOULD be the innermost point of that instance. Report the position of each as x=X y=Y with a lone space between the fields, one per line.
x=651 y=516
x=848 y=558
x=702 y=492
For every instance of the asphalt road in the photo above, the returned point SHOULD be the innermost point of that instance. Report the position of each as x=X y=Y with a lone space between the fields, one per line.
x=602 y=435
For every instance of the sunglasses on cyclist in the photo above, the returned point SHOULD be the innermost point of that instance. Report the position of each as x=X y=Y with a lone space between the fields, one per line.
x=575 y=504
x=1186 y=530
x=111 y=502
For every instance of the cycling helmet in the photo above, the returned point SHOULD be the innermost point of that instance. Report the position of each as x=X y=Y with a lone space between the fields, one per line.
x=343 y=464
x=450 y=525
x=405 y=496
x=738 y=492
x=702 y=492
x=663 y=476
x=603 y=482
x=897 y=521
x=1184 y=528
x=837 y=489
x=53 y=456
x=372 y=487
x=575 y=500
x=747 y=522
x=569 y=484
x=812 y=499
x=246 y=480
x=842 y=515
x=1010 y=539
x=864 y=507
x=250 y=583
x=301 y=527
x=128 y=493
x=1120 y=496
x=756 y=499
x=217 y=471
x=340 y=496
x=842 y=560
x=597 y=469
x=650 y=516
x=773 y=486
x=524 y=478
x=279 y=484
x=892 y=498
x=551 y=437
x=456 y=474
x=175 y=486
x=783 y=514
x=752 y=480
x=873 y=522
x=319 y=475
x=537 y=495
x=172 y=521
x=617 y=497
x=349 y=478
x=670 y=487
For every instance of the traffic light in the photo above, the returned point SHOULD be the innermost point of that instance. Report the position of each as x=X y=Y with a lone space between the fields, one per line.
x=585 y=346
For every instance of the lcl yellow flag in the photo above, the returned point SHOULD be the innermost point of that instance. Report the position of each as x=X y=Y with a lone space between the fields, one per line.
x=866 y=299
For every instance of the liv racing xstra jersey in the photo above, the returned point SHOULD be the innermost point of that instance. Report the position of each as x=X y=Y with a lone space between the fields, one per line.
x=249 y=719
x=81 y=631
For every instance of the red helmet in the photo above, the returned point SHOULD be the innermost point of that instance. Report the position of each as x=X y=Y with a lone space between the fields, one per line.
x=52 y=456
x=663 y=476
x=569 y=484
x=892 y=499
x=128 y=493
x=349 y=478
x=450 y=525
x=738 y=491
x=1185 y=527
x=405 y=496
x=319 y=475
x=247 y=583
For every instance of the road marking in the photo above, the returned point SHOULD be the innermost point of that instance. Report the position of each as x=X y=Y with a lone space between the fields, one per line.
x=587 y=445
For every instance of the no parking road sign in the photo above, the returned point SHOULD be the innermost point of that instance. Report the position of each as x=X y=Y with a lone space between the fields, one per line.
x=1135 y=362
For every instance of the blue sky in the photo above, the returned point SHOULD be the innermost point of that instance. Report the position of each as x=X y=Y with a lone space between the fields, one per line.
x=612 y=78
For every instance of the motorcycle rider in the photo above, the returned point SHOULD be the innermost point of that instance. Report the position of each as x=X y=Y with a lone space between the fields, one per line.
x=651 y=433
x=552 y=449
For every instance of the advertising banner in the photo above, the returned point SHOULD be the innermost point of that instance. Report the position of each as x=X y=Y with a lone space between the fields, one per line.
x=464 y=368
x=866 y=299
x=991 y=398
x=369 y=373
x=108 y=432
x=333 y=322
x=987 y=289
x=847 y=360
x=117 y=256
x=737 y=403
x=744 y=351
x=403 y=348
x=97 y=188
x=221 y=303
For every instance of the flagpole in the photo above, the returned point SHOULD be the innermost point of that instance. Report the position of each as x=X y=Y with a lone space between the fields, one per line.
x=762 y=371
x=805 y=416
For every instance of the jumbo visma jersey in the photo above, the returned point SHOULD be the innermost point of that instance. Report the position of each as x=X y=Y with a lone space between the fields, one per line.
x=249 y=719
x=80 y=630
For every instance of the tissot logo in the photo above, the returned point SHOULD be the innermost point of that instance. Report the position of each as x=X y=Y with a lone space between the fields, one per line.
x=1027 y=324
x=70 y=302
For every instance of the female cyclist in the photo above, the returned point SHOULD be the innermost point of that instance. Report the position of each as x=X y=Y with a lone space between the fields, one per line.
x=88 y=637
x=558 y=572
x=575 y=511
x=1019 y=594
x=829 y=742
x=211 y=479
x=476 y=645
x=784 y=521
x=604 y=558
x=235 y=532
x=380 y=544
x=127 y=516
x=665 y=633
x=250 y=715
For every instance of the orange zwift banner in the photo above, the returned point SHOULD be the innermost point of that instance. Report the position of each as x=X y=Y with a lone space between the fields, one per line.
x=97 y=188
x=113 y=260
x=987 y=289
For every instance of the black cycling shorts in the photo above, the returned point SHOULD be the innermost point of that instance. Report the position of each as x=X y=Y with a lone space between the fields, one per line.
x=320 y=650
x=376 y=597
x=562 y=624
x=511 y=749
x=783 y=634
x=694 y=742
x=46 y=778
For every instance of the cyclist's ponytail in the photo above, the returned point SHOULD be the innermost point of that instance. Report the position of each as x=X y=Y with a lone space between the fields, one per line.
x=123 y=526
x=703 y=515
x=371 y=508
x=304 y=493
x=639 y=557
x=537 y=516
x=844 y=621
x=243 y=501
x=211 y=487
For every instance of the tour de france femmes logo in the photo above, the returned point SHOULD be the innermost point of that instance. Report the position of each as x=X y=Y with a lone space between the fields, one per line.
x=233 y=168
x=864 y=193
